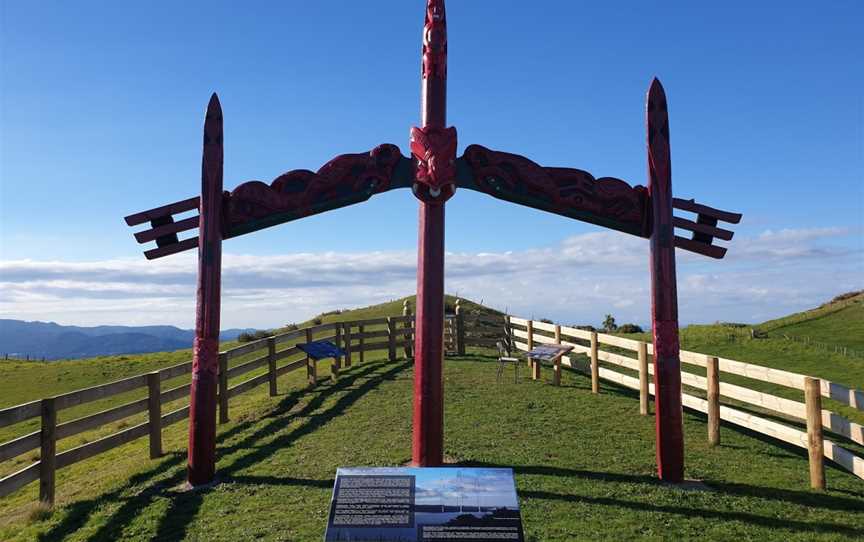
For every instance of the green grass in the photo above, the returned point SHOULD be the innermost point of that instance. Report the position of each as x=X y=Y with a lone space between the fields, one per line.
x=840 y=324
x=584 y=467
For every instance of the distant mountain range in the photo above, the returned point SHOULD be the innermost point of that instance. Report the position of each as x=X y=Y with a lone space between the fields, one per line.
x=20 y=339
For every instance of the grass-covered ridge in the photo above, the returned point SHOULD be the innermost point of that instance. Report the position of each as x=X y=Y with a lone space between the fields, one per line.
x=839 y=322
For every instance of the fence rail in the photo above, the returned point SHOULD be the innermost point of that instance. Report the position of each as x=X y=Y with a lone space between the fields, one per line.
x=352 y=336
x=522 y=334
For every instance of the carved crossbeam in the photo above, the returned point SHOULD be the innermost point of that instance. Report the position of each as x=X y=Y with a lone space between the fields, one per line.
x=254 y=205
x=574 y=193
x=352 y=178
x=605 y=201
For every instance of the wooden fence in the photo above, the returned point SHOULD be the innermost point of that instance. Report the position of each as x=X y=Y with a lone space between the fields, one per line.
x=355 y=337
x=466 y=328
x=524 y=334
x=280 y=355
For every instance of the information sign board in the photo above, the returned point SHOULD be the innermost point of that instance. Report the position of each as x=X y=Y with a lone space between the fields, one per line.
x=321 y=349
x=409 y=504
x=548 y=352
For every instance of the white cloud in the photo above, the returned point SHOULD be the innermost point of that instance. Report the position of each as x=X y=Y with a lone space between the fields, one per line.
x=577 y=281
x=801 y=234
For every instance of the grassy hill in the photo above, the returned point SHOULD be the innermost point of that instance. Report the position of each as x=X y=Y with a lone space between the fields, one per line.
x=839 y=322
x=584 y=464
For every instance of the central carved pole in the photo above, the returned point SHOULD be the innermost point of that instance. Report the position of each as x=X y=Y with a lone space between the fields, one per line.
x=434 y=148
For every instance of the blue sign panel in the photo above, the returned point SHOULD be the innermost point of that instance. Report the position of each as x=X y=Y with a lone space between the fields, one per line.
x=321 y=349
x=409 y=504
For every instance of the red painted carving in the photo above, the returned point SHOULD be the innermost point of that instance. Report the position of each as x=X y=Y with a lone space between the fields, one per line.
x=300 y=191
x=517 y=178
x=204 y=348
x=666 y=339
x=664 y=295
x=205 y=354
x=435 y=151
x=435 y=40
x=427 y=445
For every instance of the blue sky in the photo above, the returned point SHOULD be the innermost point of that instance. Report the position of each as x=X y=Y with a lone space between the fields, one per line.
x=101 y=106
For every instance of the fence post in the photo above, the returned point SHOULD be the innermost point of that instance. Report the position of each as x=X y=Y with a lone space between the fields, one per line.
x=337 y=361
x=530 y=342
x=460 y=329
x=346 y=335
x=408 y=337
x=48 y=451
x=556 y=374
x=154 y=413
x=361 y=329
x=595 y=365
x=815 y=444
x=271 y=365
x=643 y=378
x=391 y=339
x=713 y=400
x=311 y=364
x=223 y=387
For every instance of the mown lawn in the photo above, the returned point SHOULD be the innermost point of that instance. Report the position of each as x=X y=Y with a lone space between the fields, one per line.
x=584 y=467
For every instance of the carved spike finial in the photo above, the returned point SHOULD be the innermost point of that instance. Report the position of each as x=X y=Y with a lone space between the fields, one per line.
x=656 y=97
x=213 y=122
x=214 y=108
x=211 y=165
x=657 y=119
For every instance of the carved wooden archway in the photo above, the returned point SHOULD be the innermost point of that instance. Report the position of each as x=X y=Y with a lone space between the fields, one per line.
x=434 y=173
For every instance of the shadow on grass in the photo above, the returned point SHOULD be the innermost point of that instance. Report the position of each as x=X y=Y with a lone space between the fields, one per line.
x=801 y=498
x=790 y=451
x=703 y=513
x=183 y=506
x=76 y=514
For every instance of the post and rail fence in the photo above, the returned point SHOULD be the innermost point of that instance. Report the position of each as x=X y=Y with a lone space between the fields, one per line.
x=354 y=337
x=462 y=329
x=524 y=334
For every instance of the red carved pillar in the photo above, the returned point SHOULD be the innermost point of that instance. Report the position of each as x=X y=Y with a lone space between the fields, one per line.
x=434 y=148
x=664 y=294
x=202 y=413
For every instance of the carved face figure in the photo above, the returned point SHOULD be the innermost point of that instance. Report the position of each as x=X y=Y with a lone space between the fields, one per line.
x=435 y=152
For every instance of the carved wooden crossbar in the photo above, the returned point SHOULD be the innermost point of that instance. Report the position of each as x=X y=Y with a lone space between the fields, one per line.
x=353 y=178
